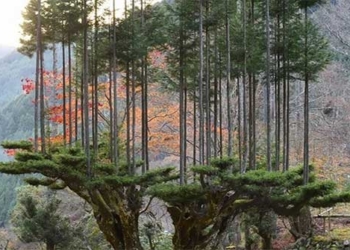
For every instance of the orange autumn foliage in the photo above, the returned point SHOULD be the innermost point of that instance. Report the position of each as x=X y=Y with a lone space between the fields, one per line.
x=163 y=111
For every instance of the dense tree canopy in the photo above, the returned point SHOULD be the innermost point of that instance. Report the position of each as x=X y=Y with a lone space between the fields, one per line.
x=231 y=66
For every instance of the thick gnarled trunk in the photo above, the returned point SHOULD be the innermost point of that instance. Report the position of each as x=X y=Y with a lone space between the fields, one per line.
x=301 y=225
x=120 y=231
x=50 y=245
x=119 y=219
x=198 y=231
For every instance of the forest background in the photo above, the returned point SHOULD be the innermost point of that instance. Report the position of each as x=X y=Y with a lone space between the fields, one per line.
x=329 y=140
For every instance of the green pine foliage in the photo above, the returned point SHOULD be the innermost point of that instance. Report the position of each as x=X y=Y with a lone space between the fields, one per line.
x=214 y=196
x=107 y=191
x=175 y=194
x=8 y=186
x=201 y=208
x=217 y=195
x=24 y=145
x=38 y=220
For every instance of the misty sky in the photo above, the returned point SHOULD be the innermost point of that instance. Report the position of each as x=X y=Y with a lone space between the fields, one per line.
x=10 y=19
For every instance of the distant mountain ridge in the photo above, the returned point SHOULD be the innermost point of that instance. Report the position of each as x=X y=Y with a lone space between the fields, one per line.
x=16 y=120
x=14 y=67
x=5 y=50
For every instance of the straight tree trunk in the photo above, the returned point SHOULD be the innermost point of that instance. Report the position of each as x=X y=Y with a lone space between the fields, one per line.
x=70 y=110
x=37 y=79
x=244 y=84
x=216 y=98
x=82 y=109
x=221 y=137
x=50 y=245
x=254 y=124
x=128 y=117
x=228 y=75
x=42 y=96
x=250 y=124
x=76 y=97
x=115 y=95
x=201 y=89
x=86 y=93
x=144 y=101
x=95 y=94
x=54 y=84
x=128 y=139
x=306 y=103
x=182 y=108
x=92 y=83
x=287 y=117
x=184 y=118
x=146 y=153
x=253 y=102
x=239 y=124
x=133 y=90
x=207 y=88
x=284 y=63
x=111 y=109
x=194 y=151
x=64 y=92
x=268 y=118
x=278 y=96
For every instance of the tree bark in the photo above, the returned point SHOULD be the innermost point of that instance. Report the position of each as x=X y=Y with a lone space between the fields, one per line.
x=117 y=214
x=201 y=101
x=114 y=109
x=95 y=85
x=86 y=94
x=182 y=110
x=207 y=88
x=306 y=104
x=37 y=78
x=50 y=245
x=228 y=76
x=267 y=241
x=244 y=85
x=64 y=113
x=268 y=125
x=216 y=98
x=70 y=110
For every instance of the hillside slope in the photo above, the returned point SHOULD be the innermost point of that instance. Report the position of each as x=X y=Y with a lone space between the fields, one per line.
x=5 y=50
x=14 y=67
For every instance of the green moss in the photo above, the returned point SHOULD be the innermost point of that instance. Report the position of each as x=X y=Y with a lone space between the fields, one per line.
x=58 y=185
x=340 y=234
x=240 y=202
x=331 y=240
x=320 y=239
